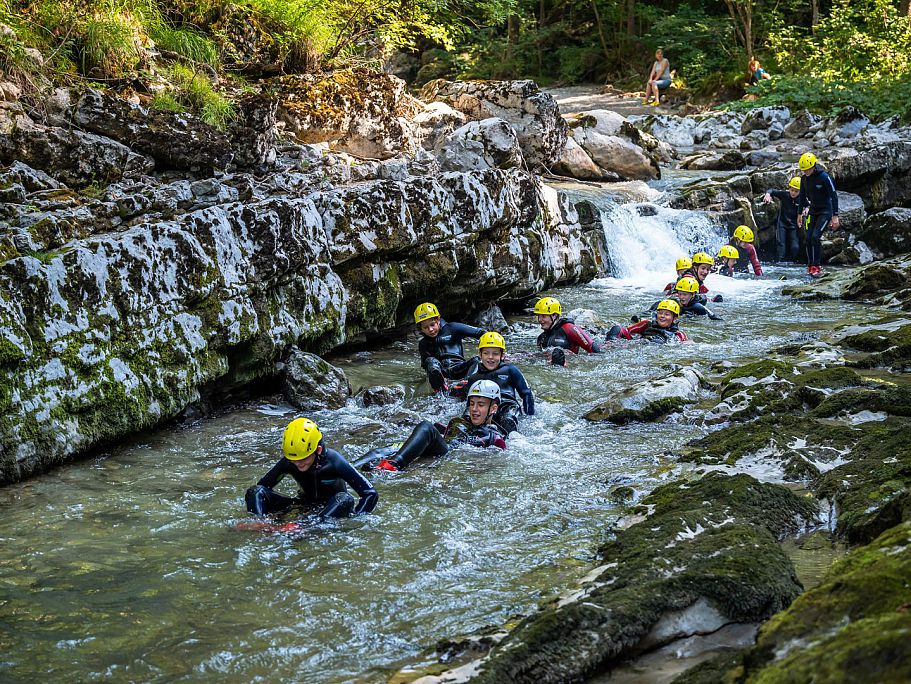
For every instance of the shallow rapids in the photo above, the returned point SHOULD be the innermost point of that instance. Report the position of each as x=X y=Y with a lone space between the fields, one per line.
x=129 y=567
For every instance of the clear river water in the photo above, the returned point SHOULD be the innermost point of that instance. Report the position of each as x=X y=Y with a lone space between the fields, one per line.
x=131 y=566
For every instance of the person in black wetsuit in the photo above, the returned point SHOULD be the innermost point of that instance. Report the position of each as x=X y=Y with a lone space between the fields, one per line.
x=661 y=329
x=441 y=347
x=513 y=387
x=818 y=197
x=561 y=332
x=686 y=292
x=727 y=259
x=475 y=427
x=787 y=230
x=321 y=474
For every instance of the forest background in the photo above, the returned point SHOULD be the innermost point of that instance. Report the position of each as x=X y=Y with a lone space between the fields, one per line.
x=824 y=54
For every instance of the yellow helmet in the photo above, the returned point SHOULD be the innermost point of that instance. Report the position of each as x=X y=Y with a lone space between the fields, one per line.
x=548 y=305
x=300 y=439
x=794 y=183
x=683 y=263
x=687 y=284
x=492 y=339
x=807 y=161
x=425 y=311
x=703 y=258
x=670 y=305
x=743 y=233
x=728 y=252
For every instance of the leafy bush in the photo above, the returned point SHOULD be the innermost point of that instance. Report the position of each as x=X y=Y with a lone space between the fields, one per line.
x=195 y=90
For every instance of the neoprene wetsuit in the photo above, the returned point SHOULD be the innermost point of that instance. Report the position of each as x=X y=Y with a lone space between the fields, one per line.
x=322 y=484
x=694 y=308
x=442 y=356
x=513 y=387
x=748 y=258
x=436 y=439
x=565 y=334
x=786 y=229
x=817 y=191
x=648 y=330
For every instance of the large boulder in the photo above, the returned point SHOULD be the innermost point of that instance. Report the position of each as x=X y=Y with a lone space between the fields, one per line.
x=888 y=233
x=174 y=141
x=763 y=118
x=435 y=122
x=310 y=383
x=533 y=113
x=356 y=111
x=252 y=132
x=576 y=163
x=848 y=123
x=614 y=144
x=881 y=175
x=851 y=211
x=677 y=131
x=801 y=124
x=478 y=145
x=730 y=160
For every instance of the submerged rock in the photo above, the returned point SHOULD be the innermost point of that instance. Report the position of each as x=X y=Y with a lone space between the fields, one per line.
x=704 y=555
x=310 y=383
x=491 y=318
x=381 y=395
x=651 y=399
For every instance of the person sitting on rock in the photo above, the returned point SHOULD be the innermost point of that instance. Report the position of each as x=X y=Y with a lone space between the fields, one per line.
x=561 y=332
x=321 y=475
x=659 y=78
x=786 y=228
x=475 y=427
x=818 y=199
x=757 y=73
x=661 y=329
x=727 y=261
x=742 y=241
x=683 y=265
x=686 y=292
x=513 y=387
x=441 y=347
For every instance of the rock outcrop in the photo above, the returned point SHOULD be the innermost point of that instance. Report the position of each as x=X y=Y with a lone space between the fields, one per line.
x=311 y=383
x=615 y=146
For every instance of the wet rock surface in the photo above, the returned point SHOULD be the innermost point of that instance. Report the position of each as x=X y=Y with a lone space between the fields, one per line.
x=310 y=383
x=652 y=399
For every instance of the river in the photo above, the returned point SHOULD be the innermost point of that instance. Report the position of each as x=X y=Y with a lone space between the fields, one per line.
x=130 y=566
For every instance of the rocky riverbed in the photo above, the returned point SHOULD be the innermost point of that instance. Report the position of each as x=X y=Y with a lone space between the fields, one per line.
x=152 y=265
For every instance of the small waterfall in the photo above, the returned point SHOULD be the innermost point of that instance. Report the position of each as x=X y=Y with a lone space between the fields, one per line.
x=644 y=240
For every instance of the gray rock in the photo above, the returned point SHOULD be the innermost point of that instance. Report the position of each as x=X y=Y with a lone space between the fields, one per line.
x=730 y=160
x=382 y=396
x=764 y=117
x=851 y=212
x=801 y=124
x=479 y=145
x=252 y=132
x=13 y=193
x=532 y=113
x=310 y=383
x=887 y=233
x=491 y=319
x=576 y=163
x=174 y=141
x=614 y=144
x=651 y=399
x=848 y=123
x=436 y=122
x=763 y=157
x=677 y=131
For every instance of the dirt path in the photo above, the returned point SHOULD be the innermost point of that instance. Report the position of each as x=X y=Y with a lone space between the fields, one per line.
x=583 y=98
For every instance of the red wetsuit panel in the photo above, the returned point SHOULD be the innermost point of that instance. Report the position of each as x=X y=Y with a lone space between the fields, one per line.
x=754 y=260
x=578 y=338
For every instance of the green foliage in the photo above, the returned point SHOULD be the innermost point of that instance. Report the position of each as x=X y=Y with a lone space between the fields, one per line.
x=196 y=91
x=166 y=102
x=187 y=43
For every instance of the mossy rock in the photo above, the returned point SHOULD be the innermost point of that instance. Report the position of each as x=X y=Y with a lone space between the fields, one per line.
x=708 y=544
x=854 y=627
x=889 y=345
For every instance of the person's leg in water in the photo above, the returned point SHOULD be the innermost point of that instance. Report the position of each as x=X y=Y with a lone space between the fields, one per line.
x=781 y=241
x=263 y=501
x=339 y=506
x=425 y=440
x=455 y=369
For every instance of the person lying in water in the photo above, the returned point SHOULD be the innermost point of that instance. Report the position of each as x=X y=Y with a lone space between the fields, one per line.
x=683 y=266
x=321 y=475
x=441 y=347
x=727 y=260
x=686 y=292
x=513 y=387
x=475 y=427
x=702 y=266
x=561 y=333
x=661 y=329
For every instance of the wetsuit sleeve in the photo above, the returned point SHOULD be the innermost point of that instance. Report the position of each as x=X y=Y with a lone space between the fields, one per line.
x=803 y=199
x=358 y=483
x=681 y=336
x=576 y=335
x=274 y=476
x=757 y=267
x=780 y=195
x=696 y=309
x=833 y=194
x=462 y=331
x=528 y=397
x=634 y=329
x=424 y=349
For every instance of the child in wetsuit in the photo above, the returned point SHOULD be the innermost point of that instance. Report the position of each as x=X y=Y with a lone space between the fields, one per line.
x=441 y=347
x=561 y=333
x=661 y=329
x=787 y=230
x=321 y=475
x=727 y=260
x=686 y=293
x=683 y=265
x=742 y=241
x=475 y=427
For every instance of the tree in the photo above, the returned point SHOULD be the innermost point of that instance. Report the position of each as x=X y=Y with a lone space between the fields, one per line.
x=741 y=12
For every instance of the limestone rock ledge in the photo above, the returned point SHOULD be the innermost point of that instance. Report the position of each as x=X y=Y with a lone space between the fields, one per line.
x=114 y=328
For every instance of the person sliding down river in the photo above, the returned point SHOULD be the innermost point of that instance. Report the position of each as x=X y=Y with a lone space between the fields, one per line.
x=561 y=332
x=685 y=293
x=475 y=427
x=492 y=350
x=660 y=329
x=441 y=347
x=702 y=266
x=683 y=266
x=320 y=472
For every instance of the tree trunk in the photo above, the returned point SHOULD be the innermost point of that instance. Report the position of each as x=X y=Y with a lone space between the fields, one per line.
x=601 y=30
x=905 y=8
x=741 y=12
x=814 y=19
x=512 y=34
